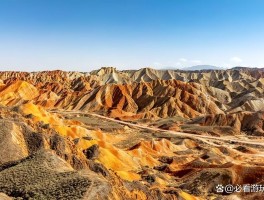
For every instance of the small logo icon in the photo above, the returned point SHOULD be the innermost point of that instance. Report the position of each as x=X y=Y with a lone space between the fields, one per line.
x=219 y=188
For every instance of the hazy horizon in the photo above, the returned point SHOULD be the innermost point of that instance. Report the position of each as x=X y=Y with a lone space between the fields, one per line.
x=86 y=35
x=89 y=69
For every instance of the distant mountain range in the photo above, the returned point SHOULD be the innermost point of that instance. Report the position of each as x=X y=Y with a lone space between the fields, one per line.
x=212 y=67
x=203 y=67
x=194 y=68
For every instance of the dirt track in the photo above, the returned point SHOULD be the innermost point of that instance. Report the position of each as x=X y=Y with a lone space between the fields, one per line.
x=189 y=135
x=204 y=138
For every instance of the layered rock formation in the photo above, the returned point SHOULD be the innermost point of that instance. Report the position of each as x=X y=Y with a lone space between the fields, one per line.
x=111 y=134
x=238 y=89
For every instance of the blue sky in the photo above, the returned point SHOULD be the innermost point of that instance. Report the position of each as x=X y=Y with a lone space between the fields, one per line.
x=130 y=34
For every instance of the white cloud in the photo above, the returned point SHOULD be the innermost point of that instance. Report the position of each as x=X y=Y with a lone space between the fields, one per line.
x=178 y=64
x=181 y=63
x=183 y=60
x=196 y=61
x=236 y=59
